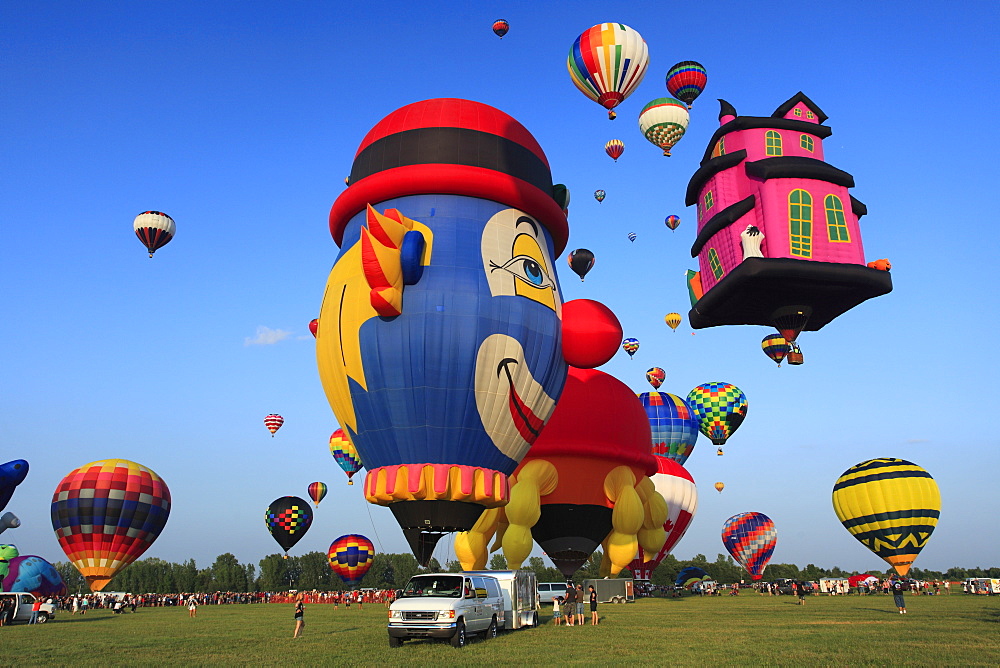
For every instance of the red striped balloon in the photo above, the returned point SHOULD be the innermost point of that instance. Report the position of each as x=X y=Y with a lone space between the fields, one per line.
x=615 y=148
x=273 y=422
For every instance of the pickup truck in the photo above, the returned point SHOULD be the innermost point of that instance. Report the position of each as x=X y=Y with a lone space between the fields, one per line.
x=23 y=601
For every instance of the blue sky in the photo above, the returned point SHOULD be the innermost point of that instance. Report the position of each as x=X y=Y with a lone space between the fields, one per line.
x=241 y=120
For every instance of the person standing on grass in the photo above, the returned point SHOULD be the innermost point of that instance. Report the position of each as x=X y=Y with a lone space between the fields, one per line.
x=593 y=606
x=192 y=606
x=579 y=604
x=35 y=608
x=300 y=617
x=898 y=587
x=802 y=592
x=569 y=607
x=556 y=610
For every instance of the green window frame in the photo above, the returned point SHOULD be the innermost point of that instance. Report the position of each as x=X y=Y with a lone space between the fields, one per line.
x=709 y=200
x=800 y=223
x=715 y=264
x=807 y=142
x=810 y=114
x=797 y=111
x=773 y=142
x=720 y=148
x=836 y=221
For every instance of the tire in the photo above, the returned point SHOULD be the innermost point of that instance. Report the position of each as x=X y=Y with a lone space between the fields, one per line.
x=395 y=642
x=491 y=630
x=42 y=618
x=534 y=620
x=458 y=640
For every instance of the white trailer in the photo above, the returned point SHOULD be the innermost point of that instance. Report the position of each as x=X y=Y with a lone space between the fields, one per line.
x=520 y=596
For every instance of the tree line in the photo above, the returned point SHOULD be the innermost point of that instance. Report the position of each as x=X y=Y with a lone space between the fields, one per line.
x=311 y=571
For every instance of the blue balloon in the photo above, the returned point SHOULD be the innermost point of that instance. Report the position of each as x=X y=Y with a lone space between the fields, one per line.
x=34 y=574
x=673 y=425
x=688 y=573
x=11 y=475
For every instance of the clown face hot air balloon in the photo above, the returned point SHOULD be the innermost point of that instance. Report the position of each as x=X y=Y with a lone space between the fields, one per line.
x=663 y=122
x=655 y=376
x=288 y=519
x=106 y=514
x=345 y=454
x=673 y=320
x=674 y=429
x=672 y=221
x=630 y=346
x=317 y=490
x=154 y=229
x=776 y=347
x=439 y=349
x=350 y=557
x=500 y=27
x=607 y=62
x=614 y=149
x=273 y=422
x=891 y=506
x=686 y=80
x=720 y=409
x=750 y=538
x=599 y=195
x=581 y=261
x=675 y=484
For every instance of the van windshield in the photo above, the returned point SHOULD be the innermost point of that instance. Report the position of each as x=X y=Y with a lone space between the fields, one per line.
x=449 y=586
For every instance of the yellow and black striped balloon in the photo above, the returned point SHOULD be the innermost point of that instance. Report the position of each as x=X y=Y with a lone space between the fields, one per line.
x=891 y=506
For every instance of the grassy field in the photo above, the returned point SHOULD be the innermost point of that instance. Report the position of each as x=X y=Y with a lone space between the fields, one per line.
x=746 y=630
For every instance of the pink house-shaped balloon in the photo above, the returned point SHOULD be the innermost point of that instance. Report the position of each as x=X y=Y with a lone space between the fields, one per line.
x=777 y=228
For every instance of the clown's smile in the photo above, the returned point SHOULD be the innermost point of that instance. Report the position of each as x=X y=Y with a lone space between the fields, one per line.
x=527 y=423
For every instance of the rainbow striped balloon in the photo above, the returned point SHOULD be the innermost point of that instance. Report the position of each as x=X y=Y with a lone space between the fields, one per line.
x=345 y=454
x=686 y=80
x=317 y=490
x=750 y=538
x=607 y=62
x=350 y=557
x=891 y=506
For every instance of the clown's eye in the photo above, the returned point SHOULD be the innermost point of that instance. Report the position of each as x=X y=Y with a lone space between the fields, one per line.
x=528 y=270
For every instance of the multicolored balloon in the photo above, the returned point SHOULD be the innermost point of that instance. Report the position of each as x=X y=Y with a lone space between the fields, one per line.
x=672 y=221
x=317 y=490
x=273 y=422
x=607 y=62
x=655 y=376
x=581 y=261
x=663 y=122
x=686 y=80
x=776 y=347
x=155 y=229
x=630 y=345
x=720 y=409
x=350 y=557
x=288 y=519
x=345 y=454
x=632 y=236
x=672 y=423
x=750 y=538
x=29 y=572
x=673 y=320
x=674 y=483
x=891 y=506
x=599 y=195
x=615 y=148
x=106 y=514
x=689 y=575
x=500 y=27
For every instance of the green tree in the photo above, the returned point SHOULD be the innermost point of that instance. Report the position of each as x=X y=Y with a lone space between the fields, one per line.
x=453 y=566
x=74 y=581
x=274 y=574
x=228 y=574
x=186 y=576
x=315 y=572
x=498 y=562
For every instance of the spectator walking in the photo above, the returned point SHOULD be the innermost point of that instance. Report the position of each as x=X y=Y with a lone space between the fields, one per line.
x=192 y=606
x=300 y=621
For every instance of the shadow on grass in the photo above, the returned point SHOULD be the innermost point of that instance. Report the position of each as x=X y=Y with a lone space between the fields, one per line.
x=882 y=610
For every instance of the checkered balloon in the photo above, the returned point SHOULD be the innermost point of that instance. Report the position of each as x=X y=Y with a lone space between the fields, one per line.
x=288 y=519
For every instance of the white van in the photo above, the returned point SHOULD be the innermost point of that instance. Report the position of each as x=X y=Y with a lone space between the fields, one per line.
x=446 y=605
x=23 y=602
x=549 y=591
x=520 y=596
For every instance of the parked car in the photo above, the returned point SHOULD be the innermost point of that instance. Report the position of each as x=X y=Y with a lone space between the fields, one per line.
x=446 y=605
x=548 y=591
x=520 y=596
x=23 y=602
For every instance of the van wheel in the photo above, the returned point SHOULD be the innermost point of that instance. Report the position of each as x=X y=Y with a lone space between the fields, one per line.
x=395 y=642
x=534 y=619
x=42 y=618
x=491 y=632
x=458 y=640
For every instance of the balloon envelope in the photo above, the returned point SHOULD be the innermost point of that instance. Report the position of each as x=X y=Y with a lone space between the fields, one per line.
x=719 y=408
x=631 y=236
x=345 y=454
x=672 y=423
x=630 y=346
x=32 y=573
x=500 y=27
x=155 y=229
x=677 y=487
x=719 y=486
x=314 y=326
x=350 y=557
x=273 y=422
x=673 y=320
x=689 y=575
x=891 y=506
x=599 y=195
x=686 y=80
x=750 y=538
x=672 y=221
x=615 y=148
x=581 y=261
x=776 y=347
x=655 y=377
x=288 y=519
x=106 y=514
x=12 y=474
x=663 y=122
x=607 y=62
x=317 y=490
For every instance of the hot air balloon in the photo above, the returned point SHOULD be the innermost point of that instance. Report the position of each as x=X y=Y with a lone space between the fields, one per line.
x=317 y=490
x=273 y=422
x=675 y=484
x=314 y=326
x=444 y=287
x=750 y=538
x=599 y=195
x=775 y=346
x=673 y=320
x=581 y=261
x=655 y=377
x=345 y=454
x=686 y=80
x=672 y=221
x=615 y=148
x=155 y=229
x=12 y=474
x=720 y=409
x=106 y=514
x=891 y=506
x=29 y=572
x=631 y=236
x=790 y=320
x=350 y=557
x=674 y=429
x=607 y=62
x=690 y=575
x=663 y=122
x=288 y=519
x=719 y=486
x=9 y=521
x=500 y=27
x=630 y=346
